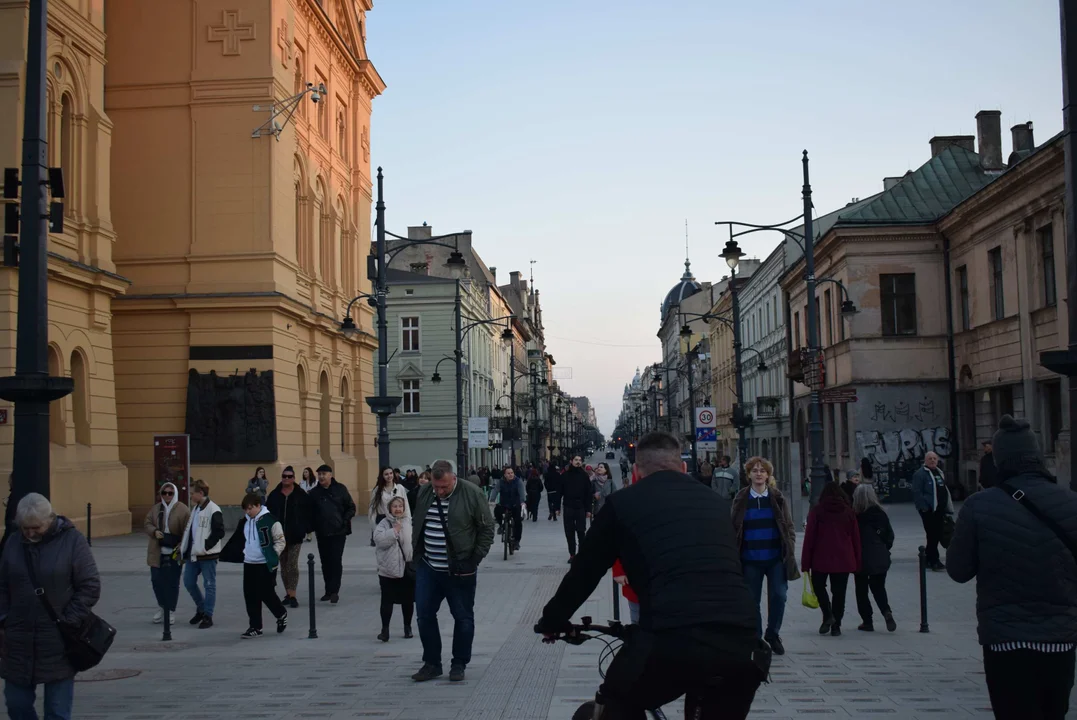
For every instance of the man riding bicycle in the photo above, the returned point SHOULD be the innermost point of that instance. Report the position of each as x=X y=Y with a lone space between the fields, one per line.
x=624 y=469
x=510 y=499
x=697 y=631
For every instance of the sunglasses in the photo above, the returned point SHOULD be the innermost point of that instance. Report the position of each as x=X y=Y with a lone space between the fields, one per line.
x=288 y=475
x=167 y=493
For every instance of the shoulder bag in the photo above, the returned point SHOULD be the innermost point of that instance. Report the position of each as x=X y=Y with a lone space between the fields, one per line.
x=85 y=644
x=1019 y=496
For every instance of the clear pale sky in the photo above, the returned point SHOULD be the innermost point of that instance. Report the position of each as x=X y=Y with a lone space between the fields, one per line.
x=583 y=133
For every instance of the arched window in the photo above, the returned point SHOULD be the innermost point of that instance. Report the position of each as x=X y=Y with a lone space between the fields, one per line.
x=340 y=230
x=302 y=377
x=324 y=443
x=299 y=259
x=317 y=230
x=67 y=150
x=57 y=426
x=80 y=398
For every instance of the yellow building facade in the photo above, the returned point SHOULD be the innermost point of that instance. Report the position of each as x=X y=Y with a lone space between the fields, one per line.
x=197 y=244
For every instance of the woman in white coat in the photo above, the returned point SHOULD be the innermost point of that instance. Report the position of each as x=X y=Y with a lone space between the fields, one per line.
x=385 y=489
x=392 y=543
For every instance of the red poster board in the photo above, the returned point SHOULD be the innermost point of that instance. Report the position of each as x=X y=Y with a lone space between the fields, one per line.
x=172 y=463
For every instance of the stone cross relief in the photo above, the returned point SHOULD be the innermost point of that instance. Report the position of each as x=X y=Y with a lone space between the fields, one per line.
x=284 y=44
x=230 y=32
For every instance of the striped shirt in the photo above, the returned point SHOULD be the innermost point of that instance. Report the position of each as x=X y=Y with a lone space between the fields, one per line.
x=435 y=550
x=762 y=539
x=1038 y=647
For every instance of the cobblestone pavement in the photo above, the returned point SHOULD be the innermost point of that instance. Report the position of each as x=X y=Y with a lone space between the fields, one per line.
x=347 y=673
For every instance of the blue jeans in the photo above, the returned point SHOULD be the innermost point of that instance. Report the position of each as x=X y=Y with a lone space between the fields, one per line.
x=777 y=589
x=208 y=570
x=59 y=698
x=166 y=581
x=431 y=587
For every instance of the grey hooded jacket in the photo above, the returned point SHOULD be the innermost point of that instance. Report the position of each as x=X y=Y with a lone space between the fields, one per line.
x=1026 y=579
x=63 y=564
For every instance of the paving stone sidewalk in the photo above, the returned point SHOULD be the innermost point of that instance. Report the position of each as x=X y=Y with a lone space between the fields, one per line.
x=347 y=673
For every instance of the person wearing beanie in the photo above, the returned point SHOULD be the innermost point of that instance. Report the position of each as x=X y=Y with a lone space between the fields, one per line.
x=1019 y=540
x=932 y=500
x=332 y=510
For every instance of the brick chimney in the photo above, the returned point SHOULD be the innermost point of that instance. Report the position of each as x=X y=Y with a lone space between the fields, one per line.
x=420 y=232
x=514 y=278
x=941 y=142
x=989 y=132
x=493 y=271
x=1022 y=137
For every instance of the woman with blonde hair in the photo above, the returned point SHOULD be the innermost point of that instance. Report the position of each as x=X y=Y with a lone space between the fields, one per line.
x=766 y=536
x=876 y=539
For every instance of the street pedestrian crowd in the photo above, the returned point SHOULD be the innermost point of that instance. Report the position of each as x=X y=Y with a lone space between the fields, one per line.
x=693 y=583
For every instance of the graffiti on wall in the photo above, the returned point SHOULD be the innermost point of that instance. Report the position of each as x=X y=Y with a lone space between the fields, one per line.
x=896 y=454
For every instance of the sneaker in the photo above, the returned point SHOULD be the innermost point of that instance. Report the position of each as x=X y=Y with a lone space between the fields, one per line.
x=159 y=616
x=938 y=567
x=866 y=627
x=198 y=617
x=835 y=630
x=282 y=622
x=325 y=597
x=207 y=622
x=516 y=547
x=285 y=599
x=334 y=598
x=825 y=627
x=407 y=631
x=251 y=633
x=775 y=643
x=427 y=672
x=891 y=625
x=293 y=602
x=456 y=673
x=384 y=634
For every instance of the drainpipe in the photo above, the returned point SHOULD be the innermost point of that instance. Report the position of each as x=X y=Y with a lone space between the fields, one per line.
x=955 y=442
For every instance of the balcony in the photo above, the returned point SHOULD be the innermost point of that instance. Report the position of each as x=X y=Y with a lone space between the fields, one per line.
x=768 y=406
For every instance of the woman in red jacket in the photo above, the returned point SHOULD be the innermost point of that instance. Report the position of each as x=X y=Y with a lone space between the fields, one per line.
x=831 y=550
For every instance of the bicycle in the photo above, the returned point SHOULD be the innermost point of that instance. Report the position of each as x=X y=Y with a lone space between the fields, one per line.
x=507 y=531
x=618 y=631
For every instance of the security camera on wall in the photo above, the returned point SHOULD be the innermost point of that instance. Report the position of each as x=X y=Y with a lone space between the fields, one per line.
x=316 y=93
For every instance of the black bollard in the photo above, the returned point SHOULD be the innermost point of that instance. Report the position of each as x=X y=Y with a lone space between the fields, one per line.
x=89 y=517
x=166 y=635
x=923 y=589
x=313 y=634
x=616 y=603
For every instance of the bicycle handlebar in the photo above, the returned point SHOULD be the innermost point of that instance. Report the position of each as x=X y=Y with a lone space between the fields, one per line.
x=575 y=633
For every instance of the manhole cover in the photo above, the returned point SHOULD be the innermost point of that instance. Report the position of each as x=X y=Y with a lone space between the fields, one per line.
x=102 y=675
x=162 y=647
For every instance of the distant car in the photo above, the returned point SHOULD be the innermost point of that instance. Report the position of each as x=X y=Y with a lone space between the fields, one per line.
x=610 y=455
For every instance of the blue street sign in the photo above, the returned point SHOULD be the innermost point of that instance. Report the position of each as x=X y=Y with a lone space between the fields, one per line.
x=706 y=434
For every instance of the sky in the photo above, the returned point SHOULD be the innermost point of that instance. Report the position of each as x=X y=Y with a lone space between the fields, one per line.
x=583 y=134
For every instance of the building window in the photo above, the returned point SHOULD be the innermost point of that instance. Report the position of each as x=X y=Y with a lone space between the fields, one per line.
x=409 y=328
x=1046 y=237
x=994 y=262
x=796 y=331
x=67 y=150
x=1052 y=420
x=1001 y=403
x=323 y=113
x=963 y=296
x=898 y=304
x=829 y=318
x=966 y=421
x=411 y=397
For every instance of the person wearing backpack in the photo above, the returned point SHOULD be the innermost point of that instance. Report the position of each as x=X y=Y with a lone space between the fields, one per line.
x=1019 y=540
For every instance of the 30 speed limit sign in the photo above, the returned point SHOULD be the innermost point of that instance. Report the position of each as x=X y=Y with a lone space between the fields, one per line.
x=705 y=417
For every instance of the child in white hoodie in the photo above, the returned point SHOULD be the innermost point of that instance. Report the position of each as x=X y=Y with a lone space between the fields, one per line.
x=257 y=543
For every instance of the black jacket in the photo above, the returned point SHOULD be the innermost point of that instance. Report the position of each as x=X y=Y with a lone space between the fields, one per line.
x=876 y=539
x=1026 y=579
x=534 y=487
x=988 y=471
x=293 y=512
x=576 y=490
x=676 y=543
x=332 y=509
x=554 y=481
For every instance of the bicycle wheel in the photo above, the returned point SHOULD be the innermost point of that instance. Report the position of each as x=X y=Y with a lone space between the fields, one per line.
x=585 y=711
x=507 y=534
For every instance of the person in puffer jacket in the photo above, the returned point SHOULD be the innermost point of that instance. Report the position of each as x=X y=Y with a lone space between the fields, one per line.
x=1026 y=578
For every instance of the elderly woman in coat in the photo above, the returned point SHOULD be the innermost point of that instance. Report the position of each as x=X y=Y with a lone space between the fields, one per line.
x=164 y=524
x=33 y=649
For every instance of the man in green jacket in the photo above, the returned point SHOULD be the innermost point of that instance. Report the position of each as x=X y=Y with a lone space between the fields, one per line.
x=453 y=530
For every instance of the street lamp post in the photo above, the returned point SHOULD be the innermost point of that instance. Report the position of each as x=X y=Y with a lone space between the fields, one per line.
x=741 y=419
x=31 y=388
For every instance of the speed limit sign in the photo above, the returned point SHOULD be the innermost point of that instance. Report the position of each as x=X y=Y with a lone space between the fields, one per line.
x=705 y=417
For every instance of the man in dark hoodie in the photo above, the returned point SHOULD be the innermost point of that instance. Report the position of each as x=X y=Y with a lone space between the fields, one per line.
x=1019 y=540
x=291 y=506
x=554 y=483
x=332 y=511
x=576 y=501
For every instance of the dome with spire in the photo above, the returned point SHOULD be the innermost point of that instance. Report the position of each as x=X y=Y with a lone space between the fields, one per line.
x=683 y=290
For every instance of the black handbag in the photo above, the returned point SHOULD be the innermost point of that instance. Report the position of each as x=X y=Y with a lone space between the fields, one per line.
x=85 y=644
